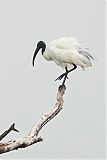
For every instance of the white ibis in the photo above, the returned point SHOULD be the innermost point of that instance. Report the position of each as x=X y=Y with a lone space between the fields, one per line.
x=66 y=52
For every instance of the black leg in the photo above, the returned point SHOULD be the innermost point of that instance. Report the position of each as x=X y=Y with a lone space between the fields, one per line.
x=62 y=75
x=67 y=71
x=72 y=68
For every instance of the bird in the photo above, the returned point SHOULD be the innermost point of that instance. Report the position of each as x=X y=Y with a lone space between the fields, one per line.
x=67 y=52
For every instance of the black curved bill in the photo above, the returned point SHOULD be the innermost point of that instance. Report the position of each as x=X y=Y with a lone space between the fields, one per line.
x=35 y=53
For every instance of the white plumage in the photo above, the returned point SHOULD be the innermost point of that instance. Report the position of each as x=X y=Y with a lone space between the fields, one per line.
x=65 y=52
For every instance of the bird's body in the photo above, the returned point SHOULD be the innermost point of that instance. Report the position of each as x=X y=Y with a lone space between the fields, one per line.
x=66 y=52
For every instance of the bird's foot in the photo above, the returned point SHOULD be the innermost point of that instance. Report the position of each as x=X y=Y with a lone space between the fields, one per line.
x=61 y=76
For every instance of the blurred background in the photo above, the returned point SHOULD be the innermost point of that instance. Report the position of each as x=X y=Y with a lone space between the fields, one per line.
x=78 y=131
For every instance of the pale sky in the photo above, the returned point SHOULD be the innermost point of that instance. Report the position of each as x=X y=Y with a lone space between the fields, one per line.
x=27 y=92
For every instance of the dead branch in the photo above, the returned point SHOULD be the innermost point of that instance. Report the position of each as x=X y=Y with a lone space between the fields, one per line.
x=33 y=137
x=12 y=128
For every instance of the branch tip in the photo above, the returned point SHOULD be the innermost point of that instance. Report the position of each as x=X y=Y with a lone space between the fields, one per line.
x=61 y=87
x=13 y=128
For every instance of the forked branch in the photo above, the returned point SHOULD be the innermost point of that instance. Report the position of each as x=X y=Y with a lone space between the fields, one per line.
x=33 y=137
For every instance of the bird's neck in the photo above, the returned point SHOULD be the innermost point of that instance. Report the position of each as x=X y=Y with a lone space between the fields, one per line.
x=47 y=56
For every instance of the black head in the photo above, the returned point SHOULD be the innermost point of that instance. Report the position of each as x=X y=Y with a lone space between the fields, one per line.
x=40 y=45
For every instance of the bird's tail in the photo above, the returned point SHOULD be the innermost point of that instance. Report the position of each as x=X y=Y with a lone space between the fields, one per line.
x=85 y=59
x=86 y=54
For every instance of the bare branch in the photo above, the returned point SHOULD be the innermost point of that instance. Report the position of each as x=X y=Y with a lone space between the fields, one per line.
x=33 y=137
x=12 y=128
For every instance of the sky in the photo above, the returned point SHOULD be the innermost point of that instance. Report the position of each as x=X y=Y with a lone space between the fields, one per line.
x=78 y=131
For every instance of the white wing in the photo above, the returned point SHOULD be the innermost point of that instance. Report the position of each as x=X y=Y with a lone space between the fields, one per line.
x=66 y=43
x=69 y=50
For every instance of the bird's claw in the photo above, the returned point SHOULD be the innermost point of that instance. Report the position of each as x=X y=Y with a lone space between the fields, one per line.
x=61 y=76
